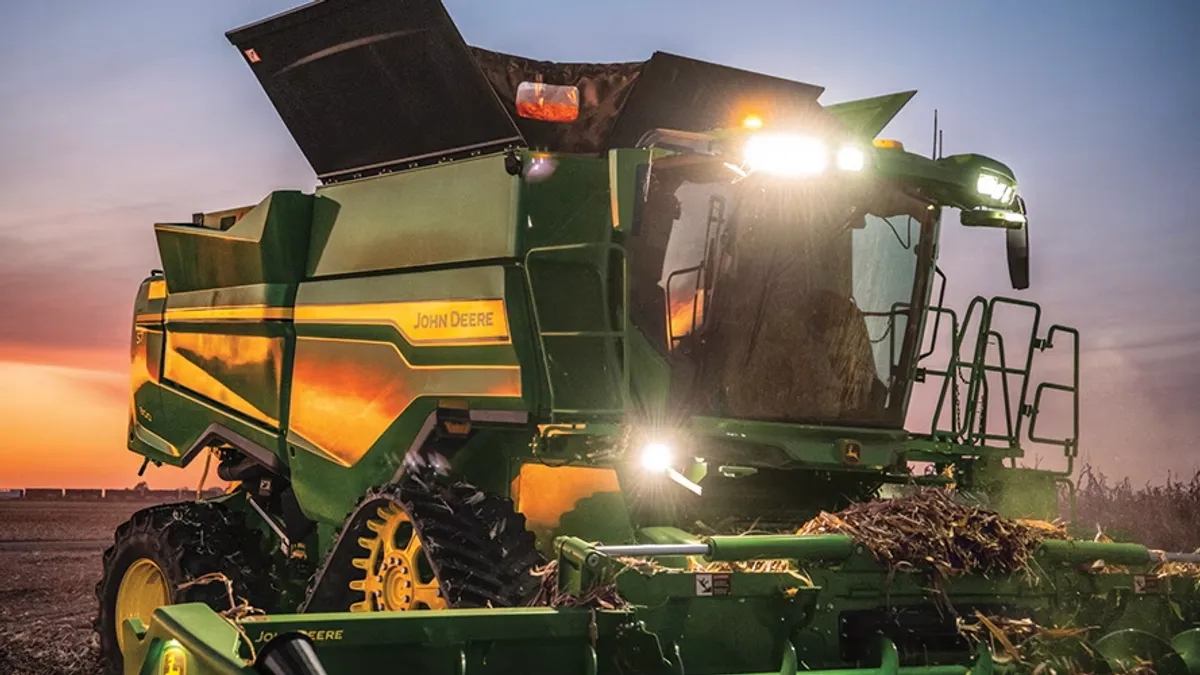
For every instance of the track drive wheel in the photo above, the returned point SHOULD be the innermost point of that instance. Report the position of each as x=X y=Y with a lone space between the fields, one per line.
x=422 y=545
x=161 y=547
x=399 y=576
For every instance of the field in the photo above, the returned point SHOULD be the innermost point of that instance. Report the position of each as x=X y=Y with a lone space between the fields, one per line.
x=49 y=563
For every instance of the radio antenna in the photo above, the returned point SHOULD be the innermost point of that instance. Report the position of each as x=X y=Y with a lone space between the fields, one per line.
x=935 y=134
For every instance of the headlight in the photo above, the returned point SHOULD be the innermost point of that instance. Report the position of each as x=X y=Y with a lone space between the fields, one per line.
x=996 y=188
x=657 y=457
x=785 y=154
x=850 y=158
x=795 y=155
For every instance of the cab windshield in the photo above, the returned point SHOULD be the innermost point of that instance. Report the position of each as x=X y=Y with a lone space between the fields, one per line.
x=778 y=300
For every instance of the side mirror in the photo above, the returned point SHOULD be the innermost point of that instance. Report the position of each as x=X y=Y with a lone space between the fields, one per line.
x=1015 y=221
x=1017 y=242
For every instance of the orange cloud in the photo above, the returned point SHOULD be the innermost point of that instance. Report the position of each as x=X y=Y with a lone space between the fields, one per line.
x=63 y=420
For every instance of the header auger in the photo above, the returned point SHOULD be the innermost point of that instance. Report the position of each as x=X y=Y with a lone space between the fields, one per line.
x=597 y=369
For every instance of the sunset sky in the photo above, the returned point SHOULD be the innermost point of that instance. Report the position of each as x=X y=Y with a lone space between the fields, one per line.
x=115 y=115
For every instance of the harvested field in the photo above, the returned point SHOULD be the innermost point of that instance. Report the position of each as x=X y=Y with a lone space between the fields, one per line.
x=62 y=521
x=49 y=563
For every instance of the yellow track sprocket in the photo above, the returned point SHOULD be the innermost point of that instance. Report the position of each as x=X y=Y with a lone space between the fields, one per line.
x=396 y=574
x=421 y=543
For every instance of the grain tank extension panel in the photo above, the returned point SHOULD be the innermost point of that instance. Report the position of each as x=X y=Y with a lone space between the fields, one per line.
x=366 y=86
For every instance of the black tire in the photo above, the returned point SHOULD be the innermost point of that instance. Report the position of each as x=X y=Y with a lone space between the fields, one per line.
x=186 y=541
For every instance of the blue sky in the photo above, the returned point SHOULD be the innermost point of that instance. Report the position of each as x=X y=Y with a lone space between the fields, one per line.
x=116 y=115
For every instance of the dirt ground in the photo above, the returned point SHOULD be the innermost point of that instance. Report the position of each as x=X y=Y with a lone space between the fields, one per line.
x=49 y=564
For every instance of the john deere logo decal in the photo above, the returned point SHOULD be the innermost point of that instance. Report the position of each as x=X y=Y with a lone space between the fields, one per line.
x=452 y=321
x=423 y=322
x=455 y=319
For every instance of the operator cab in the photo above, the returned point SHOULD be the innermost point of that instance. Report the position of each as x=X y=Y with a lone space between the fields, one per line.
x=781 y=299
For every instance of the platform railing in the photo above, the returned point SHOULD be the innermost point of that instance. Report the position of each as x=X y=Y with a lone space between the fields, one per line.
x=559 y=413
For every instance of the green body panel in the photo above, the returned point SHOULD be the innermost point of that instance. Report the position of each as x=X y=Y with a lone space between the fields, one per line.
x=268 y=245
x=431 y=216
x=363 y=392
x=867 y=117
x=190 y=371
x=540 y=640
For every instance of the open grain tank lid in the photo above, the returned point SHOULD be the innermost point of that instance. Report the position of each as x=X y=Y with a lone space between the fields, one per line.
x=367 y=86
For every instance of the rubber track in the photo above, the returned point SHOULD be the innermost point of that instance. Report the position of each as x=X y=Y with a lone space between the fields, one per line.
x=195 y=538
x=477 y=546
x=506 y=528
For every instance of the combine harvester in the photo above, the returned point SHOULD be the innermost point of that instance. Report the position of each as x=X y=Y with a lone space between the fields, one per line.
x=564 y=368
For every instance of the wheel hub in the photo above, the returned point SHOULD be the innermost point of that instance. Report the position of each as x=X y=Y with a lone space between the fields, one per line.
x=398 y=585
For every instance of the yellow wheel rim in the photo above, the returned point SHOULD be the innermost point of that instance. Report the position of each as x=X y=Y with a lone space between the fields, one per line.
x=143 y=589
x=396 y=573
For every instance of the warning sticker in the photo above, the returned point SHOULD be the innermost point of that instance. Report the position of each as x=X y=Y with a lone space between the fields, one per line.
x=1143 y=584
x=708 y=585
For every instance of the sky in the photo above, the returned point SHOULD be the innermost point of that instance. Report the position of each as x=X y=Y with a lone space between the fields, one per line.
x=117 y=115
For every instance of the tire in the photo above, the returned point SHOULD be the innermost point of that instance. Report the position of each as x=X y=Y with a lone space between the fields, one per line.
x=184 y=541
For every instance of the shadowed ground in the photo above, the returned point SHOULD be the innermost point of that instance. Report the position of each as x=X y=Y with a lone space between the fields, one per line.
x=49 y=564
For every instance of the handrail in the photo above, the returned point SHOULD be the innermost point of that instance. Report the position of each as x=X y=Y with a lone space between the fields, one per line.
x=949 y=384
x=1070 y=445
x=977 y=360
x=1004 y=372
x=968 y=423
x=620 y=333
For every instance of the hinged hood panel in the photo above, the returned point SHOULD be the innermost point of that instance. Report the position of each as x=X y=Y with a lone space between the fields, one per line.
x=363 y=84
x=367 y=86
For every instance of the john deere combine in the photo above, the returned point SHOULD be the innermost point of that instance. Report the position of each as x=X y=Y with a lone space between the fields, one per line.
x=564 y=368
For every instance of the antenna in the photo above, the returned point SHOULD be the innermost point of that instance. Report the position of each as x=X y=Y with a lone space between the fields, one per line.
x=941 y=144
x=935 y=134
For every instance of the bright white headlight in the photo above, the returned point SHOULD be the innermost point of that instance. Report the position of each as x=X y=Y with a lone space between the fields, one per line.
x=850 y=158
x=785 y=154
x=656 y=457
x=986 y=184
x=995 y=188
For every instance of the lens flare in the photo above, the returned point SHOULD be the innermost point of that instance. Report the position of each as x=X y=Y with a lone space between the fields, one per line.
x=656 y=457
x=786 y=155
x=850 y=158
